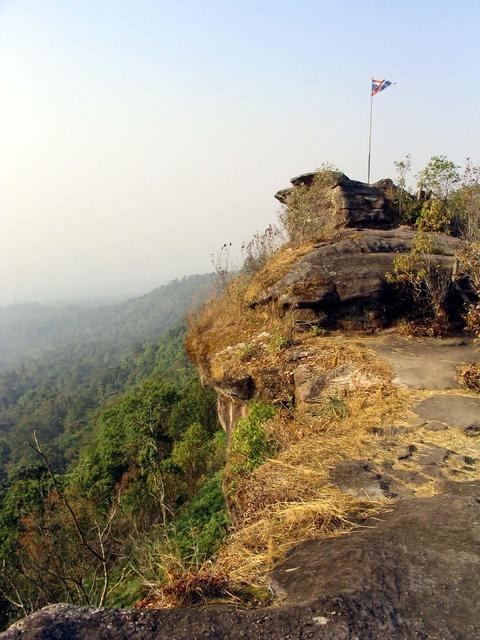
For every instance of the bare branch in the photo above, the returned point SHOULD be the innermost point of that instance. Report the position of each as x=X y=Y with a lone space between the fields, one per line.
x=62 y=497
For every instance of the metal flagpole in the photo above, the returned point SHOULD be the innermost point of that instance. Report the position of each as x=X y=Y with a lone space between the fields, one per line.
x=370 y=134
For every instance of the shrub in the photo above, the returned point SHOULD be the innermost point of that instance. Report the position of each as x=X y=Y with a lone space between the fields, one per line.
x=470 y=263
x=470 y=376
x=465 y=206
x=250 y=440
x=248 y=351
x=279 y=341
x=202 y=525
x=192 y=454
x=335 y=406
x=472 y=320
x=308 y=211
x=470 y=266
x=422 y=275
x=410 y=209
x=434 y=216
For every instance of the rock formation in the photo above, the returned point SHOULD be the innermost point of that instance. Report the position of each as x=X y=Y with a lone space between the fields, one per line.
x=352 y=203
x=350 y=269
x=342 y=277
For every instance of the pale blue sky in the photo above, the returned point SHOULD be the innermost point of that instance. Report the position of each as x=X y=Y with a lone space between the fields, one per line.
x=136 y=137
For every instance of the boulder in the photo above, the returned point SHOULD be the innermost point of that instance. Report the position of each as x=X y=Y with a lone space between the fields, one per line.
x=352 y=203
x=348 y=269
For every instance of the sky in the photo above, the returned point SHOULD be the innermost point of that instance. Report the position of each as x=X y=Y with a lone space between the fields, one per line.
x=136 y=137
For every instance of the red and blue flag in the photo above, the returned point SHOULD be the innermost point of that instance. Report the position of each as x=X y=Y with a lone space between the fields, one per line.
x=379 y=85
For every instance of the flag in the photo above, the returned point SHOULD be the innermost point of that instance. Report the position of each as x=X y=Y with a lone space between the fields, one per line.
x=379 y=85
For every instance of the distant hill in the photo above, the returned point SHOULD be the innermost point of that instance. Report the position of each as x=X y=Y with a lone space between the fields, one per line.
x=28 y=330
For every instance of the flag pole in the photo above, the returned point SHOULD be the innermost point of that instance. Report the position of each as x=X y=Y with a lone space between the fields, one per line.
x=370 y=134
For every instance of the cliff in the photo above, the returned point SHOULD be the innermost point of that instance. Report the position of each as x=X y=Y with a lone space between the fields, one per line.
x=353 y=478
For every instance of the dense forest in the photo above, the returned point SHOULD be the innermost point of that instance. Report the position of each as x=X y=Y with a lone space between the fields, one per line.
x=27 y=330
x=109 y=449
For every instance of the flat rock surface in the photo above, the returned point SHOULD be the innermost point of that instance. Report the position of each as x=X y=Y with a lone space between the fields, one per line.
x=426 y=363
x=408 y=470
x=411 y=573
x=454 y=410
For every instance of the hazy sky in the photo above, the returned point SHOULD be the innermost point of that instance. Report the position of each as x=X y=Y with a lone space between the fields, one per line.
x=137 y=136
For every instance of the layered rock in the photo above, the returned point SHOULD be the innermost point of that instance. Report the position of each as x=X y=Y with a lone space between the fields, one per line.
x=352 y=203
x=350 y=268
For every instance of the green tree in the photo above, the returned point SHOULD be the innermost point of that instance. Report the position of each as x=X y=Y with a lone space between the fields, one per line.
x=439 y=177
x=192 y=453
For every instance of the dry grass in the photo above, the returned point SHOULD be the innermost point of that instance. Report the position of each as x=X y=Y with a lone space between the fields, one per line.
x=257 y=547
x=469 y=376
x=221 y=321
x=291 y=498
x=227 y=319
x=184 y=586
x=276 y=268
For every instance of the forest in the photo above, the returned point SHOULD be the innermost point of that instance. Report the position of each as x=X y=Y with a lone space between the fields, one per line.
x=110 y=452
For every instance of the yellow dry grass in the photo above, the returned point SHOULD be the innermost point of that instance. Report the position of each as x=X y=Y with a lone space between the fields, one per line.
x=291 y=498
x=257 y=547
x=276 y=268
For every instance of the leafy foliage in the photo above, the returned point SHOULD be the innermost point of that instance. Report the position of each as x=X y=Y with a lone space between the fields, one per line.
x=434 y=216
x=422 y=275
x=439 y=177
x=130 y=443
x=250 y=441
x=202 y=525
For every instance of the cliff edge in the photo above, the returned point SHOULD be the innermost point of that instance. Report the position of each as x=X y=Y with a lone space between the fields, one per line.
x=353 y=478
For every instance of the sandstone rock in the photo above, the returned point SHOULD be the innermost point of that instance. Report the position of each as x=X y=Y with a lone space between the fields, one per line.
x=352 y=203
x=308 y=385
x=361 y=480
x=450 y=409
x=229 y=410
x=347 y=270
x=412 y=573
x=312 y=387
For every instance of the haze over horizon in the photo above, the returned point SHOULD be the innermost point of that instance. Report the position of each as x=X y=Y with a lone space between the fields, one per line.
x=137 y=138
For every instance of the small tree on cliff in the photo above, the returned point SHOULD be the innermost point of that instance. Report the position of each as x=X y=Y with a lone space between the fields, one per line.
x=440 y=177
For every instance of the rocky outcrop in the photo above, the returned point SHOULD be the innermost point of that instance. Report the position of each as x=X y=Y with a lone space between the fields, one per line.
x=230 y=409
x=351 y=203
x=412 y=571
x=312 y=387
x=411 y=574
x=351 y=268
